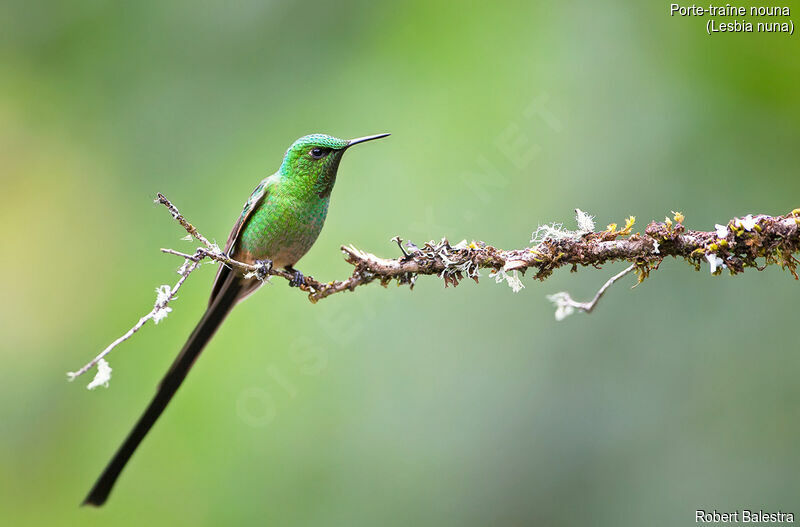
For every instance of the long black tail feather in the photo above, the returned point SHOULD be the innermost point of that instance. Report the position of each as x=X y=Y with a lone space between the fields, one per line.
x=226 y=297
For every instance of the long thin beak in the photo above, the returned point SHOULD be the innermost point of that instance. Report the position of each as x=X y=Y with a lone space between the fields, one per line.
x=364 y=139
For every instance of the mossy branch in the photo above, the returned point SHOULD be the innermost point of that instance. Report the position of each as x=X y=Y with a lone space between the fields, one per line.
x=751 y=242
x=737 y=245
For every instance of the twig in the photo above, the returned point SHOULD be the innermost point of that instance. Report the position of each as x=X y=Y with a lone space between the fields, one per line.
x=565 y=305
x=180 y=219
x=159 y=310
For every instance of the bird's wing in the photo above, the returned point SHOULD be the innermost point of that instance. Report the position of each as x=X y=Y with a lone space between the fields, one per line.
x=257 y=197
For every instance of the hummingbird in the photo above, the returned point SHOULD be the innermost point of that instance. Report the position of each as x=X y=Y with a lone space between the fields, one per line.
x=278 y=225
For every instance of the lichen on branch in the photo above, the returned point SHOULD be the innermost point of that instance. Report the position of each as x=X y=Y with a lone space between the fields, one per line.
x=772 y=239
x=754 y=241
x=737 y=245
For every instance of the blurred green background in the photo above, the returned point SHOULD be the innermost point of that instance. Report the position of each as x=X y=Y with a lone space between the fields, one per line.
x=467 y=406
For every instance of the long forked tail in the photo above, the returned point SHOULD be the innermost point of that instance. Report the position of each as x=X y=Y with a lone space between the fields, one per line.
x=225 y=298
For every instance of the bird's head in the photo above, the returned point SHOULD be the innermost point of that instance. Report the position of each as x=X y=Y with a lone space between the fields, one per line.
x=314 y=159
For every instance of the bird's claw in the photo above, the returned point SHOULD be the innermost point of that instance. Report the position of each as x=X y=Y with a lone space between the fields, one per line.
x=264 y=267
x=298 y=279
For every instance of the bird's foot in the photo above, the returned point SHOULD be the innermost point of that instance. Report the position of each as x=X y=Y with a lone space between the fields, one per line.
x=264 y=267
x=298 y=279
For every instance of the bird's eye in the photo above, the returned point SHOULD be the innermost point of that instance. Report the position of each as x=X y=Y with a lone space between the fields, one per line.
x=317 y=152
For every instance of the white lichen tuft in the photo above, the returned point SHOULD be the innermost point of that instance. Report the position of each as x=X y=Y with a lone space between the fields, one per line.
x=162 y=294
x=715 y=262
x=722 y=231
x=511 y=278
x=102 y=376
x=551 y=231
x=585 y=221
x=454 y=263
x=215 y=250
x=563 y=303
x=185 y=267
x=160 y=309
x=161 y=314
x=748 y=223
x=556 y=231
x=655 y=247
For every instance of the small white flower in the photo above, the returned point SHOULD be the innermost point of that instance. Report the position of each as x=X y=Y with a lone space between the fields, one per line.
x=655 y=246
x=722 y=231
x=563 y=306
x=102 y=376
x=748 y=222
x=585 y=221
x=715 y=262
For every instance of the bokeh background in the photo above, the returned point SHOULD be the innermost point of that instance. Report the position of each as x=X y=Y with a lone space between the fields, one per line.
x=467 y=406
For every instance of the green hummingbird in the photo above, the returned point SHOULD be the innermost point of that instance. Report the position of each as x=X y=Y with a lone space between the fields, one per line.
x=278 y=225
